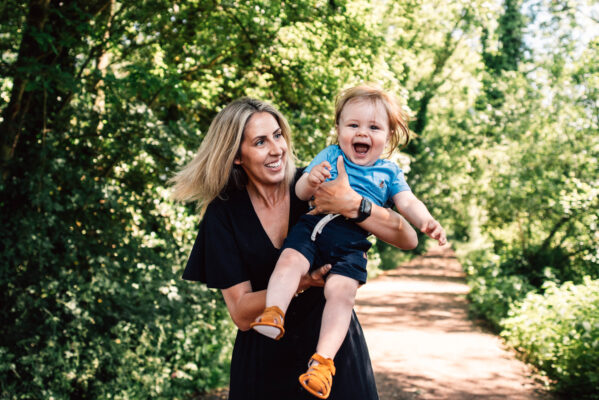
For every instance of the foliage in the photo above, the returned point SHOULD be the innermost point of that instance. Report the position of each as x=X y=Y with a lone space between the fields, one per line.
x=511 y=158
x=492 y=291
x=559 y=333
x=102 y=100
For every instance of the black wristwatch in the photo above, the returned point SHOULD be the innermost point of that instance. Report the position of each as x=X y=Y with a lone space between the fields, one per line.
x=363 y=211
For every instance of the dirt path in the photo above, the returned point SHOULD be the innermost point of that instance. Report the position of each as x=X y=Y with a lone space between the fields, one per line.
x=422 y=344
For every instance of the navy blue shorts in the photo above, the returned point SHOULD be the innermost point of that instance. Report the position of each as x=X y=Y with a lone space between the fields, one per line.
x=342 y=244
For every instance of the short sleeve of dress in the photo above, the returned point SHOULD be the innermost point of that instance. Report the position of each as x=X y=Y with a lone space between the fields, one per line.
x=398 y=181
x=215 y=258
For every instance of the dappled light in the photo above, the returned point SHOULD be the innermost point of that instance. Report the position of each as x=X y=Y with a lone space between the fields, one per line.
x=102 y=101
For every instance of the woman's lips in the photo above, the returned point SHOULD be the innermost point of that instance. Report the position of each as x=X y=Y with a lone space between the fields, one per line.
x=275 y=165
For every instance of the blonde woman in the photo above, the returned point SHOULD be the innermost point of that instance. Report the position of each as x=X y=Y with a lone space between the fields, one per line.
x=242 y=176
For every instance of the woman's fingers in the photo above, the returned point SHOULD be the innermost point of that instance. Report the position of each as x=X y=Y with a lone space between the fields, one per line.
x=319 y=274
x=336 y=196
x=341 y=169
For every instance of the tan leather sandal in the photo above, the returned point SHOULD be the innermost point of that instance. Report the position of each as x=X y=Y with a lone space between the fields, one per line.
x=319 y=377
x=270 y=323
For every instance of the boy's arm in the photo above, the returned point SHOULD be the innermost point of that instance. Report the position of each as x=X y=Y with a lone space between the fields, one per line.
x=416 y=212
x=309 y=183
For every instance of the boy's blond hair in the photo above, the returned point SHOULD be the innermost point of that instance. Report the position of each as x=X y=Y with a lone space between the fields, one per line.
x=399 y=132
x=212 y=170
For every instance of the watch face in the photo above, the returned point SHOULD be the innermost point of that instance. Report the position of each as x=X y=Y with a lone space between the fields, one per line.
x=365 y=207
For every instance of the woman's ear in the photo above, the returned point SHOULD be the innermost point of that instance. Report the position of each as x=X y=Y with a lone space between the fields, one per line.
x=237 y=161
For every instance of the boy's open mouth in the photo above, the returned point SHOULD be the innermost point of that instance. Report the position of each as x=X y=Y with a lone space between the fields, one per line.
x=361 y=148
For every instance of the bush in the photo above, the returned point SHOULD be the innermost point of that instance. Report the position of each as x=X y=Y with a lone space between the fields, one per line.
x=559 y=333
x=492 y=292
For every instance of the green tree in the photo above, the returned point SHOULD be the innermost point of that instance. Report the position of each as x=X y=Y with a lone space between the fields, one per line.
x=104 y=100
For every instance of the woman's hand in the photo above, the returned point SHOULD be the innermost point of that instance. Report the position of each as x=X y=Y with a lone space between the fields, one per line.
x=336 y=196
x=314 y=278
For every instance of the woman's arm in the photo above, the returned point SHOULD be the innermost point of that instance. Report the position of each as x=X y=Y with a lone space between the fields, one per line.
x=337 y=197
x=244 y=305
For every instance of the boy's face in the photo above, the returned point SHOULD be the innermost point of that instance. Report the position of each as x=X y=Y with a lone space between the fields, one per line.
x=363 y=131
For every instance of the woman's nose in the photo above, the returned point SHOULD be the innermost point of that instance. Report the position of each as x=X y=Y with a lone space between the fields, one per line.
x=276 y=149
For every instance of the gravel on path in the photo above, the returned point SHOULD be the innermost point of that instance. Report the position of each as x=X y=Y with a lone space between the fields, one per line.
x=422 y=343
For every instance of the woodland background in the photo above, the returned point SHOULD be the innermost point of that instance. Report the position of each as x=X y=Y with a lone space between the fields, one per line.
x=102 y=100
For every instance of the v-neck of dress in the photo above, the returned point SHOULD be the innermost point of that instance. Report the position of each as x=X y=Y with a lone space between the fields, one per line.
x=257 y=218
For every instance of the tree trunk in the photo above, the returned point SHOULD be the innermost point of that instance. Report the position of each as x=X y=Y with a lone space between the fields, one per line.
x=20 y=101
x=52 y=30
x=102 y=64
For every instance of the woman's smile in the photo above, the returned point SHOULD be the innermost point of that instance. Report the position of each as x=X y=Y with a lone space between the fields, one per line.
x=263 y=152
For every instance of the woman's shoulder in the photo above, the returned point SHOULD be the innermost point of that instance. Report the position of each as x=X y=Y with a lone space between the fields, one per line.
x=223 y=206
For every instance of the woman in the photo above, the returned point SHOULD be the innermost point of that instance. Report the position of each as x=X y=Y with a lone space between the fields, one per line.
x=243 y=172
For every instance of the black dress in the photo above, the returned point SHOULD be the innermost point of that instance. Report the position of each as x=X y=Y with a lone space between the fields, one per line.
x=232 y=247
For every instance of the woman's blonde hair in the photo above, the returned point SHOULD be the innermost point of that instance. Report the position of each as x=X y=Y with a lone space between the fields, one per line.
x=212 y=170
x=399 y=132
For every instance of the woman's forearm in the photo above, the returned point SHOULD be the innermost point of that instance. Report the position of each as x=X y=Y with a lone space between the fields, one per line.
x=243 y=304
x=390 y=227
x=337 y=197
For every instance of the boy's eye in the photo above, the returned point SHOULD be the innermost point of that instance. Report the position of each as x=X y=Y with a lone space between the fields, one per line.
x=374 y=127
x=353 y=125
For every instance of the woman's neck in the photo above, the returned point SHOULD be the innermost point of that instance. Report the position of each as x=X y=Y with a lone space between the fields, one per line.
x=268 y=195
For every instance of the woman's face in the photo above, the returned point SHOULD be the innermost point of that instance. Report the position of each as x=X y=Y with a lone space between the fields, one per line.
x=263 y=153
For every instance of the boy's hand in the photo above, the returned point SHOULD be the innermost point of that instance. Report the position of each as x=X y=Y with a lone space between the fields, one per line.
x=434 y=230
x=319 y=173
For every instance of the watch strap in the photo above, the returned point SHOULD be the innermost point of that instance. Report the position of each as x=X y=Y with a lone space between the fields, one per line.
x=364 y=210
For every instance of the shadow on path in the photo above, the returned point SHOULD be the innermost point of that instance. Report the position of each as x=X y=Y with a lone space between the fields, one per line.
x=422 y=344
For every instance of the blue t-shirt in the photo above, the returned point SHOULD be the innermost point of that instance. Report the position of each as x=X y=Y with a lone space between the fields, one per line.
x=378 y=182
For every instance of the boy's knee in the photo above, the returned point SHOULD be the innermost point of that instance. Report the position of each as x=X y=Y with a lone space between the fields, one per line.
x=341 y=289
x=291 y=258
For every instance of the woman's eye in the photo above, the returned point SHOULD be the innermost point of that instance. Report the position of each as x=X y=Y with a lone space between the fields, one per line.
x=259 y=142
x=278 y=135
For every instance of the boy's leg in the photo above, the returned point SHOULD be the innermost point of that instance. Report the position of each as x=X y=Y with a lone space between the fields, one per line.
x=282 y=285
x=285 y=278
x=340 y=293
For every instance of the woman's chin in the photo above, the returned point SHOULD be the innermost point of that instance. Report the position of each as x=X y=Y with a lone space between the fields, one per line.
x=273 y=177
